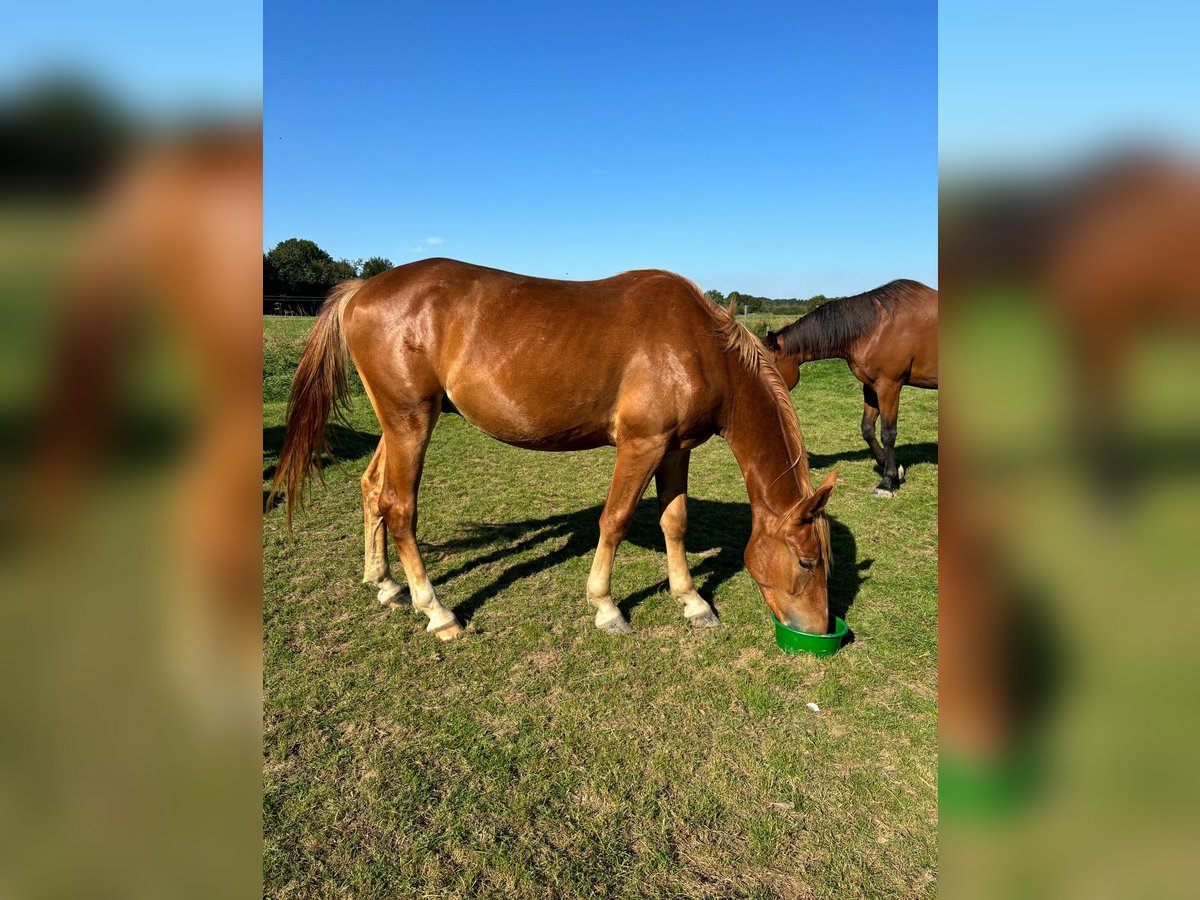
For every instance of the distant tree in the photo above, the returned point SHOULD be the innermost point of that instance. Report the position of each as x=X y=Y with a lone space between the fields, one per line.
x=60 y=135
x=271 y=282
x=716 y=297
x=813 y=302
x=339 y=270
x=746 y=303
x=299 y=268
x=374 y=266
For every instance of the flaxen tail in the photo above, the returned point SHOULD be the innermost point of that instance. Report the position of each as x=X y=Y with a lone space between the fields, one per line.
x=320 y=388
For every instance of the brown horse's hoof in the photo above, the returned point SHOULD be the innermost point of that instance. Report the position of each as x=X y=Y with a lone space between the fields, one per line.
x=705 y=620
x=883 y=492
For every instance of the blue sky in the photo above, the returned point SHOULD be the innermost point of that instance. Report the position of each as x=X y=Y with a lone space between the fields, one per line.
x=1030 y=83
x=782 y=149
x=160 y=58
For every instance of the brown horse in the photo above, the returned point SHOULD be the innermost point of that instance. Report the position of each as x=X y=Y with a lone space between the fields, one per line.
x=888 y=337
x=642 y=361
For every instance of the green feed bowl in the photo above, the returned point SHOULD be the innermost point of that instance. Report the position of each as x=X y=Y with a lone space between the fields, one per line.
x=792 y=641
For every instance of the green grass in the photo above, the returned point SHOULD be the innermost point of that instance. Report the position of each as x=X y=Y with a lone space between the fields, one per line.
x=540 y=757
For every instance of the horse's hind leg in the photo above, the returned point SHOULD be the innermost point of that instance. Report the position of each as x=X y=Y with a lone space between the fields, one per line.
x=671 y=481
x=376 y=571
x=636 y=462
x=889 y=408
x=406 y=438
x=870 y=415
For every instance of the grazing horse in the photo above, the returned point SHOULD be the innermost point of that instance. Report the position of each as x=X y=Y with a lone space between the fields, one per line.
x=641 y=361
x=888 y=337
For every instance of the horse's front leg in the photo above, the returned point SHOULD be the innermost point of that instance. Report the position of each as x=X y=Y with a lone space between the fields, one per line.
x=636 y=461
x=671 y=481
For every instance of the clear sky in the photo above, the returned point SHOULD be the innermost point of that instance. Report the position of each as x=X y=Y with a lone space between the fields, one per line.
x=158 y=58
x=782 y=149
x=1031 y=83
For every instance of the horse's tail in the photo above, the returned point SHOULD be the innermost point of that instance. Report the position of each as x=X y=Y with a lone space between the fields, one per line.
x=319 y=388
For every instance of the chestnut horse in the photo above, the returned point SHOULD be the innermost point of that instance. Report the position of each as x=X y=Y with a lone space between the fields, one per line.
x=641 y=361
x=888 y=337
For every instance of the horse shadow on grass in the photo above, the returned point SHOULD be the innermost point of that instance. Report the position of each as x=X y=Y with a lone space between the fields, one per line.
x=347 y=444
x=908 y=455
x=717 y=530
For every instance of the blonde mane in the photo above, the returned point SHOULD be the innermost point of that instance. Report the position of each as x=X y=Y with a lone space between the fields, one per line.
x=755 y=358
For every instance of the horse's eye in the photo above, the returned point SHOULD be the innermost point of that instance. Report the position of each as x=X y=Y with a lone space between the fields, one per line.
x=807 y=563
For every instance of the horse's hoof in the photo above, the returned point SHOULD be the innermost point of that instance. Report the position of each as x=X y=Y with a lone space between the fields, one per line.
x=705 y=620
x=449 y=631
x=616 y=626
x=883 y=492
x=900 y=473
x=393 y=596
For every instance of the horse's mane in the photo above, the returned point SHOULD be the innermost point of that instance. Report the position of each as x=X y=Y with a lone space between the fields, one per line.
x=750 y=351
x=753 y=356
x=832 y=328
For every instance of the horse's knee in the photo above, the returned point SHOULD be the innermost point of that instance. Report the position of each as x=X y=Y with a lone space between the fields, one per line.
x=399 y=514
x=674 y=531
x=613 y=525
x=868 y=430
x=888 y=433
x=674 y=523
x=368 y=483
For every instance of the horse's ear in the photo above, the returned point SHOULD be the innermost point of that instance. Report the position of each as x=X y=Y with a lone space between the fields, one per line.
x=769 y=341
x=732 y=308
x=815 y=503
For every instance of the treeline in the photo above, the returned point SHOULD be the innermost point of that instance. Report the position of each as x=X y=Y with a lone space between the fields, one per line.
x=747 y=303
x=299 y=268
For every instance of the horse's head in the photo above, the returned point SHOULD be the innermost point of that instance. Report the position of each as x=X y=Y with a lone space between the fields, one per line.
x=790 y=560
x=787 y=365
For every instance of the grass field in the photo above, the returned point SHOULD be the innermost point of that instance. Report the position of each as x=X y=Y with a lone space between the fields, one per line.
x=539 y=757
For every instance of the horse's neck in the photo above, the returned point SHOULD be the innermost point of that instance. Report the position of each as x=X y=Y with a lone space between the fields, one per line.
x=754 y=432
x=808 y=354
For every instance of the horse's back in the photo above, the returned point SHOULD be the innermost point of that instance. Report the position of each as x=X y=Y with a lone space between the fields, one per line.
x=535 y=362
x=903 y=346
x=505 y=301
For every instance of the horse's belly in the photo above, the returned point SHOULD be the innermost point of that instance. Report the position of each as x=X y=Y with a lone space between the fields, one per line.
x=531 y=422
x=924 y=374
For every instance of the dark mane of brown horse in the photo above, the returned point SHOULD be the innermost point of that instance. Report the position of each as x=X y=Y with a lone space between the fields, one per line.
x=832 y=328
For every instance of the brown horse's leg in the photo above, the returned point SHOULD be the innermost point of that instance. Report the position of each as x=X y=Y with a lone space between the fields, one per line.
x=636 y=462
x=376 y=571
x=671 y=480
x=406 y=438
x=889 y=408
x=870 y=414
